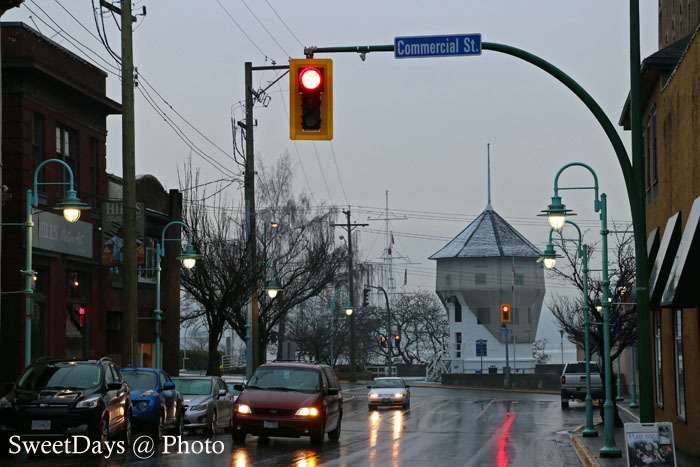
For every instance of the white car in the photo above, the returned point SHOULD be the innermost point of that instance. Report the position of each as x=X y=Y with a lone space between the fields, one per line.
x=388 y=392
x=232 y=381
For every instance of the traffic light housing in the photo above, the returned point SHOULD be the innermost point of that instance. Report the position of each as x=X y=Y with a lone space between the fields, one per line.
x=365 y=297
x=382 y=341
x=397 y=338
x=506 y=314
x=311 y=99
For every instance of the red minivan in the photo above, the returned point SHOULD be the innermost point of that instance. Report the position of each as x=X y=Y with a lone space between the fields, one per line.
x=289 y=399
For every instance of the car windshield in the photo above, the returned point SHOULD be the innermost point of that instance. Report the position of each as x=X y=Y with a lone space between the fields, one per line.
x=580 y=367
x=140 y=379
x=61 y=375
x=388 y=383
x=193 y=386
x=286 y=378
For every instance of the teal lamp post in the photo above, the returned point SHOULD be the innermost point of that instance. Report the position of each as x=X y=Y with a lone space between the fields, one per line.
x=349 y=309
x=189 y=258
x=550 y=258
x=272 y=290
x=71 y=207
x=557 y=214
x=633 y=385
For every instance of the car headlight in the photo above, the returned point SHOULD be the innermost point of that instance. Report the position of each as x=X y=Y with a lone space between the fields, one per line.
x=374 y=395
x=142 y=406
x=5 y=404
x=398 y=395
x=88 y=403
x=200 y=407
x=150 y=392
x=242 y=409
x=307 y=412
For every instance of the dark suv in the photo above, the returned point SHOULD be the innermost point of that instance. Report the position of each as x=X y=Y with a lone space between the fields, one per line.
x=291 y=400
x=60 y=398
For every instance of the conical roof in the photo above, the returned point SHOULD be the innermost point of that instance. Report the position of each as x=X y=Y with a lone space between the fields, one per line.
x=487 y=236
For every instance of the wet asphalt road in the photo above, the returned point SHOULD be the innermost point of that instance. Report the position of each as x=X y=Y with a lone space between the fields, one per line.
x=451 y=427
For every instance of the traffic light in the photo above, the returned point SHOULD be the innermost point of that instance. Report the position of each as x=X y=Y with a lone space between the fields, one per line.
x=505 y=313
x=382 y=341
x=365 y=297
x=311 y=99
x=397 y=338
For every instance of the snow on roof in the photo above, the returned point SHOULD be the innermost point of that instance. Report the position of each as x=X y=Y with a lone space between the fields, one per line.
x=488 y=235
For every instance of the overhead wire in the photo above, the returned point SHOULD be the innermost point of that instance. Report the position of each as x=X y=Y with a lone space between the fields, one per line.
x=265 y=28
x=242 y=30
x=340 y=178
x=284 y=23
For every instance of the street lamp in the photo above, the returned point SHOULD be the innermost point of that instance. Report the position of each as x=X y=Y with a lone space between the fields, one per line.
x=71 y=207
x=189 y=257
x=557 y=209
x=549 y=262
x=348 y=311
x=272 y=290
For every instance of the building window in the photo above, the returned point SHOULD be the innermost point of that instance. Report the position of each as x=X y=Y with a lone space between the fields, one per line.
x=479 y=278
x=94 y=153
x=38 y=144
x=659 y=360
x=678 y=350
x=67 y=151
x=483 y=315
x=458 y=344
x=458 y=310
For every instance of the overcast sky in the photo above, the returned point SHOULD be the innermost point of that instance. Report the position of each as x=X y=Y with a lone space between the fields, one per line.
x=416 y=127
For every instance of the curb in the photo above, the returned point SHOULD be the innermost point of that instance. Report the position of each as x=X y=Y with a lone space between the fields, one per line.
x=586 y=457
x=471 y=388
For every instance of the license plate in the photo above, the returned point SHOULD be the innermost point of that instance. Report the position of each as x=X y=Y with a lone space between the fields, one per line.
x=41 y=424
x=386 y=400
x=270 y=424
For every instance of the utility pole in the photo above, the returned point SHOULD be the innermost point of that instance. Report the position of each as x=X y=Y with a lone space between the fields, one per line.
x=254 y=356
x=130 y=304
x=351 y=291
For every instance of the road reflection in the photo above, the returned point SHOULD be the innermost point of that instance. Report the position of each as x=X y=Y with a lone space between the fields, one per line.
x=503 y=439
x=240 y=459
x=309 y=461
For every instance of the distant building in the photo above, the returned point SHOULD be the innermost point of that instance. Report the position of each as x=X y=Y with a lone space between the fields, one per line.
x=488 y=264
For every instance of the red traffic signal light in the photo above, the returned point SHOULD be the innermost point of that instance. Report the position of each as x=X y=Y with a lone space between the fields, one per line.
x=506 y=315
x=382 y=341
x=311 y=99
x=397 y=338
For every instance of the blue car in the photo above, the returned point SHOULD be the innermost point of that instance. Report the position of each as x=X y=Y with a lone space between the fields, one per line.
x=158 y=406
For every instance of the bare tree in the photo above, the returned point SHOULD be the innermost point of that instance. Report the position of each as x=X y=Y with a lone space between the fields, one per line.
x=569 y=312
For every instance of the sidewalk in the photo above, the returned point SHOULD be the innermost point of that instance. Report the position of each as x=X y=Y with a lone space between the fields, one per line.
x=588 y=449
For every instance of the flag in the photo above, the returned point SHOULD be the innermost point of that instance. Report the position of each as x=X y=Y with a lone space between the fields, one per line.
x=405 y=276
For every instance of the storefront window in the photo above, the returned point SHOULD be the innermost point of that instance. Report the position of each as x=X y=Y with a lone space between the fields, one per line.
x=77 y=314
x=680 y=371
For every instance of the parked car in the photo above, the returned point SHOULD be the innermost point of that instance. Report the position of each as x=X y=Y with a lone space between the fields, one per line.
x=388 y=392
x=290 y=400
x=231 y=383
x=55 y=398
x=573 y=382
x=158 y=406
x=206 y=404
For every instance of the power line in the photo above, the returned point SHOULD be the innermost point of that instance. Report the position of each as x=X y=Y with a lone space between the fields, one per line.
x=285 y=24
x=241 y=29
x=340 y=178
x=263 y=26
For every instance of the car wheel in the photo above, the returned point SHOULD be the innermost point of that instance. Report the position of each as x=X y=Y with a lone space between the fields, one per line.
x=238 y=437
x=335 y=434
x=102 y=433
x=211 y=429
x=565 y=403
x=317 y=437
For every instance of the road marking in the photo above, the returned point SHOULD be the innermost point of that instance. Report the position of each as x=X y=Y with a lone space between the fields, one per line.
x=485 y=409
x=578 y=428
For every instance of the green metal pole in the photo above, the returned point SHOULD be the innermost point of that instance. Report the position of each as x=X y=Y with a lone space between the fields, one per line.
x=609 y=449
x=619 y=381
x=332 y=310
x=589 y=431
x=28 y=291
x=633 y=385
x=157 y=312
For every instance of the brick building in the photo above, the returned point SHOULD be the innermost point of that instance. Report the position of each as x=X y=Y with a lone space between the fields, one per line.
x=54 y=106
x=671 y=146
